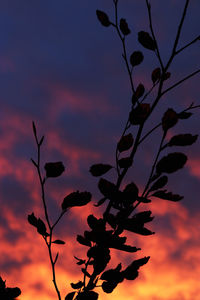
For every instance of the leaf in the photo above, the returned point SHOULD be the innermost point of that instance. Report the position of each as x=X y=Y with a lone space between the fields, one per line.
x=125 y=143
x=125 y=162
x=87 y=295
x=109 y=286
x=184 y=115
x=166 y=75
x=124 y=27
x=83 y=241
x=76 y=199
x=146 y=40
x=171 y=163
x=131 y=272
x=138 y=93
x=70 y=296
x=41 y=228
x=136 y=58
x=162 y=181
x=99 y=169
x=183 y=140
x=32 y=220
x=156 y=75
x=107 y=188
x=170 y=118
x=167 y=196
x=103 y=18
x=77 y=285
x=139 y=114
x=111 y=274
x=130 y=194
x=60 y=242
x=12 y=293
x=54 y=169
x=143 y=217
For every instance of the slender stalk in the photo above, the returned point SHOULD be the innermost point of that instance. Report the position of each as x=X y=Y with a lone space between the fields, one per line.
x=153 y=34
x=42 y=184
x=189 y=44
x=180 y=81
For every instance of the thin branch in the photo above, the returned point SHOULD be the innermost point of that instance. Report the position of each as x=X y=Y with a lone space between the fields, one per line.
x=189 y=44
x=180 y=81
x=124 y=55
x=177 y=35
x=153 y=35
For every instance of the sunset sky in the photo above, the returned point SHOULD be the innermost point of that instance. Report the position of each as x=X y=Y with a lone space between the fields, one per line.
x=61 y=69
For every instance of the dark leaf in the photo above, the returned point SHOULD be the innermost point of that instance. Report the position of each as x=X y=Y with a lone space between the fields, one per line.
x=76 y=199
x=100 y=169
x=59 y=242
x=87 y=295
x=107 y=188
x=139 y=114
x=83 y=241
x=124 y=27
x=70 y=296
x=170 y=118
x=12 y=293
x=184 y=115
x=125 y=162
x=54 y=169
x=130 y=194
x=77 y=285
x=146 y=40
x=162 y=181
x=126 y=248
x=138 y=93
x=171 y=163
x=136 y=58
x=125 y=143
x=183 y=140
x=95 y=224
x=41 y=228
x=103 y=18
x=167 y=196
x=156 y=75
x=131 y=272
x=143 y=217
x=111 y=274
x=32 y=220
x=109 y=286
x=166 y=75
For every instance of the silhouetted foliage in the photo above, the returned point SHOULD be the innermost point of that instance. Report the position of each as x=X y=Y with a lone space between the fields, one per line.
x=7 y=293
x=120 y=215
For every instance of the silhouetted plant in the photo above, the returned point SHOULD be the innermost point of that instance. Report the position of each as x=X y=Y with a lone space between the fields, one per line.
x=120 y=216
x=7 y=293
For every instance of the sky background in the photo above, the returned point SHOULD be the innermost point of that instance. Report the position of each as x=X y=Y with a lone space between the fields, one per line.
x=62 y=69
